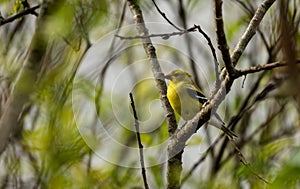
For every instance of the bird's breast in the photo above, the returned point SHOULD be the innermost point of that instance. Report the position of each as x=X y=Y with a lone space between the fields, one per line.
x=182 y=103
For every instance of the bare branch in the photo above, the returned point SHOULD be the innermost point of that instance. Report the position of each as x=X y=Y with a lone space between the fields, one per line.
x=138 y=136
x=188 y=41
x=250 y=136
x=165 y=17
x=250 y=31
x=110 y=57
x=255 y=69
x=162 y=35
x=178 y=139
x=19 y=15
x=247 y=7
x=213 y=51
x=174 y=166
x=221 y=38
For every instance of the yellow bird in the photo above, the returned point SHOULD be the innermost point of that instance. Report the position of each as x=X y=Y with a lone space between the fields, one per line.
x=187 y=99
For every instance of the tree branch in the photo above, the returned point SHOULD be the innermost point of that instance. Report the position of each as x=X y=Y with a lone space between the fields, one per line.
x=250 y=31
x=138 y=136
x=174 y=166
x=165 y=17
x=162 y=35
x=19 y=15
x=221 y=38
x=213 y=51
x=258 y=68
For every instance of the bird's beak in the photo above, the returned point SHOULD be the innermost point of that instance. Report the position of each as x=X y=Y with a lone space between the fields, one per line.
x=168 y=76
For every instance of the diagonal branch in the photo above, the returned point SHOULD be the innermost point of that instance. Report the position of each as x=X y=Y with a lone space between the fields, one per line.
x=213 y=51
x=165 y=17
x=19 y=15
x=138 y=136
x=221 y=38
x=250 y=31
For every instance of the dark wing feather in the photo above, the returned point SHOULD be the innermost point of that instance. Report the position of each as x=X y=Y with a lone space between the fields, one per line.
x=202 y=99
x=196 y=95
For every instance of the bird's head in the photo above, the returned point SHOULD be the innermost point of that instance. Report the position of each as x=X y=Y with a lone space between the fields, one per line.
x=178 y=76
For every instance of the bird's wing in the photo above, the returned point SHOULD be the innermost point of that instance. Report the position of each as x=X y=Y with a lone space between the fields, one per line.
x=194 y=93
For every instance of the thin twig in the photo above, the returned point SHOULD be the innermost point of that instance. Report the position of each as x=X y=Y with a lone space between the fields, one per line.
x=238 y=152
x=165 y=17
x=234 y=119
x=19 y=15
x=255 y=174
x=221 y=38
x=162 y=35
x=244 y=161
x=188 y=41
x=244 y=109
x=250 y=31
x=247 y=7
x=110 y=58
x=255 y=132
x=101 y=76
x=258 y=68
x=213 y=51
x=138 y=136
x=265 y=124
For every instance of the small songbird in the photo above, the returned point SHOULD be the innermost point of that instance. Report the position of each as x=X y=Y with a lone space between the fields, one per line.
x=187 y=99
